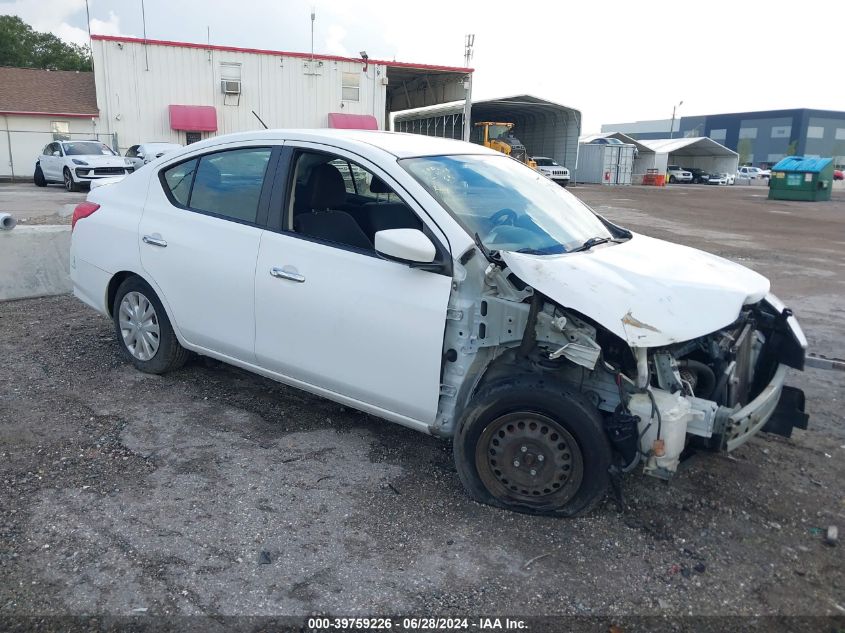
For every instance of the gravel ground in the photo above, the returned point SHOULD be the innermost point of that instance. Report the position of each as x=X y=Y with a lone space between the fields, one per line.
x=211 y=491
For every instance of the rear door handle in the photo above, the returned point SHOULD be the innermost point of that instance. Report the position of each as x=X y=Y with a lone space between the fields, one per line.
x=154 y=241
x=281 y=273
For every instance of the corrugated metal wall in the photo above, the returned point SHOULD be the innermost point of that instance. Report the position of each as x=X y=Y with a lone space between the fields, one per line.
x=284 y=91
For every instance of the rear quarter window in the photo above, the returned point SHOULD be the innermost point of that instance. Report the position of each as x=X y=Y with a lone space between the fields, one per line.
x=178 y=179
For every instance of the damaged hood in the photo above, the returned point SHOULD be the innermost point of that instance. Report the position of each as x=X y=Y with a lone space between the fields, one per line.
x=648 y=292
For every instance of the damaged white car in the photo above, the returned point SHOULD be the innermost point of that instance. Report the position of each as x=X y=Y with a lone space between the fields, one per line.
x=448 y=288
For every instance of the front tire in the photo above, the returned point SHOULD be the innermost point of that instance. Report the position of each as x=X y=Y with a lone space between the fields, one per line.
x=38 y=178
x=143 y=329
x=70 y=183
x=672 y=180
x=530 y=445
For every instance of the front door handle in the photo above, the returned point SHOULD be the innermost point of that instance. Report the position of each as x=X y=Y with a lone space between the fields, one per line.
x=154 y=241
x=281 y=273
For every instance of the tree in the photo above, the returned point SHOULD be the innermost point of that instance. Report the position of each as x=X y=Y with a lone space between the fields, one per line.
x=22 y=47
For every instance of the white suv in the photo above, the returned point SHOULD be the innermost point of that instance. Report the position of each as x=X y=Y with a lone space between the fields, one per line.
x=76 y=162
x=678 y=174
x=442 y=286
x=753 y=173
x=550 y=168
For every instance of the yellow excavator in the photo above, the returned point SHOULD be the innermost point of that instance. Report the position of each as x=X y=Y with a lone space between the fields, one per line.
x=499 y=136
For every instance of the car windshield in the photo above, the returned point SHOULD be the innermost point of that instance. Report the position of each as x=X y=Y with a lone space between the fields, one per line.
x=87 y=148
x=508 y=205
x=546 y=162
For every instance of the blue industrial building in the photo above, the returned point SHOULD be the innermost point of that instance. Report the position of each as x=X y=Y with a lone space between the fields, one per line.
x=760 y=138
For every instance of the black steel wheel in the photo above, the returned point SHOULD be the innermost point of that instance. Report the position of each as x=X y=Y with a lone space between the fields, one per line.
x=532 y=445
x=526 y=456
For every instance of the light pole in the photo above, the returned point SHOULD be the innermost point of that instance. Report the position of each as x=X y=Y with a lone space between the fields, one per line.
x=672 y=127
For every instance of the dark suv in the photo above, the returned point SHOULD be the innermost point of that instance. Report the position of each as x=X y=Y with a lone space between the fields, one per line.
x=699 y=176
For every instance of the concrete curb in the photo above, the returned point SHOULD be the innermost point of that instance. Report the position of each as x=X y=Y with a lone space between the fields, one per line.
x=34 y=261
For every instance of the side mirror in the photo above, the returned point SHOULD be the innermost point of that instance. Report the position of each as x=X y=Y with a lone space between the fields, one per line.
x=57 y=153
x=140 y=155
x=405 y=245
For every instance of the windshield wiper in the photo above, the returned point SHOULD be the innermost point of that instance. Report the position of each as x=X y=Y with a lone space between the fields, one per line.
x=593 y=241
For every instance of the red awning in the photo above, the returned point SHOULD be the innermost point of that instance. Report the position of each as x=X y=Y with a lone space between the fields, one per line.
x=341 y=121
x=193 y=118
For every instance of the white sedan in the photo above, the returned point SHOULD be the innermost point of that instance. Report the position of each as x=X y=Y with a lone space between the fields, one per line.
x=73 y=163
x=140 y=155
x=445 y=287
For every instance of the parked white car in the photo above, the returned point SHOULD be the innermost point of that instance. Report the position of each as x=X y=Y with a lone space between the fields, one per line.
x=721 y=178
x=76 y=162
x=443 y=286
x=678 y=174
x=550 y=168
x=753 y=173
x=140 y=155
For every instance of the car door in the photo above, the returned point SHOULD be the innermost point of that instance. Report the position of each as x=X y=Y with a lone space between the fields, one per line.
x=50 y=163
x=199 y=237
x=337 y=318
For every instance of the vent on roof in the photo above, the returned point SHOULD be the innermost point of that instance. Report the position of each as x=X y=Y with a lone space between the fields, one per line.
x=231 y=87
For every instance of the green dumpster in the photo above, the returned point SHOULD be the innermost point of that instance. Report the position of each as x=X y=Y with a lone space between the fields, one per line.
x=801 y=178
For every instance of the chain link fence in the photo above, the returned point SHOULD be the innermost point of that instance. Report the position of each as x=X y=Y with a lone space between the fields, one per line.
x=20 y=149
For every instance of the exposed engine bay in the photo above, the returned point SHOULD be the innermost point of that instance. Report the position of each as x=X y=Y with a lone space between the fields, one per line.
x=714 y=391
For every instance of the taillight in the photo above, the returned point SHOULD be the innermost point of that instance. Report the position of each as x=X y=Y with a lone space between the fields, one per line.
x=82 y=210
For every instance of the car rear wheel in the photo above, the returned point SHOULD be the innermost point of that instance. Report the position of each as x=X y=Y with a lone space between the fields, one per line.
x=143 y=329
x=38 y=178
x=70 y=183
x=529 y=445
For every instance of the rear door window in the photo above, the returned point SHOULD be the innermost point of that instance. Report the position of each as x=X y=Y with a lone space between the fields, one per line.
x=226 y=184
x=229 y=183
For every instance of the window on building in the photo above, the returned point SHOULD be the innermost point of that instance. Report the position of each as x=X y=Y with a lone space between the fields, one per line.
x=840 y=134
x=781 y=131
x=773 y=158
x=60 y=130
x=230 y=71
x=815 y=131
x=718 y=135
x=748 y=132
x=351 y=87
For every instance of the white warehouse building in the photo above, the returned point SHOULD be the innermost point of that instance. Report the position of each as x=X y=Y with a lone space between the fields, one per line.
x=153 y=90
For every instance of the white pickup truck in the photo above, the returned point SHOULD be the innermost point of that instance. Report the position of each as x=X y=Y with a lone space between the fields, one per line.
x=678 y=174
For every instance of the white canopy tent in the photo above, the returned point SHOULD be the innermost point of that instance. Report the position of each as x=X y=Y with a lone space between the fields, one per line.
x=700 y=151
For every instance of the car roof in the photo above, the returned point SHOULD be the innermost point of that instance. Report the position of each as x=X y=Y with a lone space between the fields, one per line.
x=399 y=144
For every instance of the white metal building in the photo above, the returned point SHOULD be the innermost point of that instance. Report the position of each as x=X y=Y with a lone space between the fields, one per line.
x=544 y=127
x=153 y=90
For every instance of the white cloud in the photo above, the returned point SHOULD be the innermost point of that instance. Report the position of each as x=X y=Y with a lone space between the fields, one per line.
x=334 y=41
x=55 y=16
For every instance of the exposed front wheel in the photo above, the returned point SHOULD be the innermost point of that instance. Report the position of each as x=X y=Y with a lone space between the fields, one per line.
x=70 y=183
x=529 y=445
x=143 y=329
x=672 y=179
x=38 y=178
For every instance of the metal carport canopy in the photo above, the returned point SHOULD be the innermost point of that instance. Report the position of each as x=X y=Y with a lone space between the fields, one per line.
x=545 y=127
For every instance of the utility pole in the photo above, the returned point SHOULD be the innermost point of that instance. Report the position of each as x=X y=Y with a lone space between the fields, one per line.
x=88 y=24
x=672 y=127
x=144 y=23
x=313 y=17
x=469 y=43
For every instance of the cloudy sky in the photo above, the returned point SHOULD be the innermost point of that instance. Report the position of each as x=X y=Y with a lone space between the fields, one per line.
x=614 y=60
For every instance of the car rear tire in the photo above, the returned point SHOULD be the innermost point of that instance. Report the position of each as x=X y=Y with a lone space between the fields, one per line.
x=38 y=178
x=70 y=183
x=143 y=329
x=530 y=445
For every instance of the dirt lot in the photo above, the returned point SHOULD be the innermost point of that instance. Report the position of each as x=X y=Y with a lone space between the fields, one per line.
x=213 y=491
